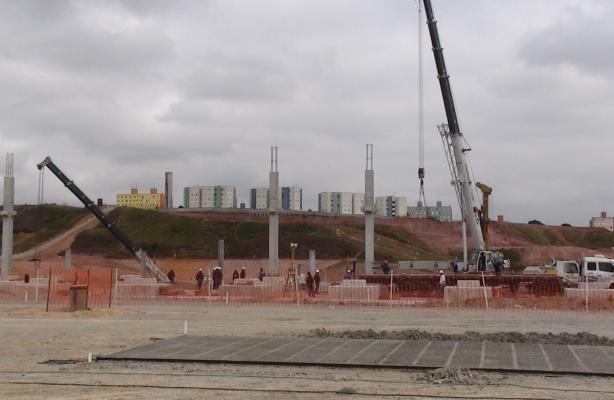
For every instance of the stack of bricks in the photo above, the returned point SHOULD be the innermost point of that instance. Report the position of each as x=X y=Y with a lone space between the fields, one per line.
x=606 y=294
x=137 y=287
x=465 y=291
x=354 y=290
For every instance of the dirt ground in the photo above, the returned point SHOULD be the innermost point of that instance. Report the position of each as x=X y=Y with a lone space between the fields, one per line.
x=31 y=337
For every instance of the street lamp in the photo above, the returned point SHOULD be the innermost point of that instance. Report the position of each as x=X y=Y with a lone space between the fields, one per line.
x=293 y=247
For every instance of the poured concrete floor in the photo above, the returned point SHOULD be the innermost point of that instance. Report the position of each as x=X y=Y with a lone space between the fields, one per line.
x=376 y=353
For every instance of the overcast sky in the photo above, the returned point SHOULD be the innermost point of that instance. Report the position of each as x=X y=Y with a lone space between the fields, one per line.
x=117 y=92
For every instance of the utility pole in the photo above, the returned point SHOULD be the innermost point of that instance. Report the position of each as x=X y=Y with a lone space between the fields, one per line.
x=369 y=217
x=273 y=214
x=8 y=213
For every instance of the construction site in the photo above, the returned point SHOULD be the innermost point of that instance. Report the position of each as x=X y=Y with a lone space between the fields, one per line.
x=105 y=301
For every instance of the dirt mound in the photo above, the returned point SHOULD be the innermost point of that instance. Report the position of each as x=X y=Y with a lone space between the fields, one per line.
x=89 y=314
x=455 y=376
x=565 y=338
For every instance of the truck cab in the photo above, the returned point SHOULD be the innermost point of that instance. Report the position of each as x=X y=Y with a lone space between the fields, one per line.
x=484 y=260
x=568 y=270
x=598 y=268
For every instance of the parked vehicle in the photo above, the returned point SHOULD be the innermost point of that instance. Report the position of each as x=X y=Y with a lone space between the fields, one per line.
x=597 y=268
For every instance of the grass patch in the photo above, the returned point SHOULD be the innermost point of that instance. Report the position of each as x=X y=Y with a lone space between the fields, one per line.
x=36 y=224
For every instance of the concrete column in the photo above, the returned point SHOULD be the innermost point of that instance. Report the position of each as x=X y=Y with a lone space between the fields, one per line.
x=220 y=253
x=369 y=208
x=168 y=189
x=273 y=243
x=312 y=261
x=68 y=258
x=274 y=196
x=8 y=213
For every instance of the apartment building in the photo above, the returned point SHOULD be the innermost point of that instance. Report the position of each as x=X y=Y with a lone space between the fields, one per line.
x=219 y=196
x=341 y=203
x=152 y=200
x=603 y=221
x=439 y=212
x=391 y=206
x=292 y=198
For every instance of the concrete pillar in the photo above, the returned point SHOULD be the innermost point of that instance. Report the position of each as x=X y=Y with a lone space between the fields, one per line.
x=68 y=258
x=220 y=253
x=274 y=195
x=8 y=213
x=369 y=209
x=312 y=261
x=168 y=189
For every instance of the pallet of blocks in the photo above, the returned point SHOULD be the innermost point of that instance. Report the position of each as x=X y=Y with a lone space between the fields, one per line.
x=354 y=290
x=465 y=291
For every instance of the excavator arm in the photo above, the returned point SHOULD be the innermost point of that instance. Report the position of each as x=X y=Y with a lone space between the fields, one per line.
x=486 y=192
x=140 y=254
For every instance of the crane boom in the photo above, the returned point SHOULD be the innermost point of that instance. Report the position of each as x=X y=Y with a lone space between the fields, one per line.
x=140 y=254
x=456 y=136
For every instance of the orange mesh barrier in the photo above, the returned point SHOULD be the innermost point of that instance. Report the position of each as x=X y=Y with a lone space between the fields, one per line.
x=70 y=289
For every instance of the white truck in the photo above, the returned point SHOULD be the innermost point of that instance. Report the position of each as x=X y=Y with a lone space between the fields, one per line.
x=597 y=268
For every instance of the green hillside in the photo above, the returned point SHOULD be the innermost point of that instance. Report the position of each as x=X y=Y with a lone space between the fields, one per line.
x=164 y=235
x=36 y=224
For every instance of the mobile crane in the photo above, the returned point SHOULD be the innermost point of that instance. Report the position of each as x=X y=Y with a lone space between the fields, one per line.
x=139 y=253
x=480 y=258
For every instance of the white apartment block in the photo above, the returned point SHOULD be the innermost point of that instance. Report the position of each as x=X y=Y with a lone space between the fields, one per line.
x=391 y=206
x=207 y=196
x=259 y=198
x=400 y=207
x=346 y=203
x=358 y=203
x=603 y=221
x=341 y=203
x=325 y=203
x=191 y=197
x=228 y=196
x=220 y=196
x=294 y=200
x=380 y=206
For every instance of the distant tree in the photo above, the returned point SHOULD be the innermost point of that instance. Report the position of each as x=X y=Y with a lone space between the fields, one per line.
x=535 y=222
x=566 y=225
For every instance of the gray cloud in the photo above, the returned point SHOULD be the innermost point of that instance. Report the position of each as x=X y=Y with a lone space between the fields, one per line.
x=581 y=41
x=119 y=92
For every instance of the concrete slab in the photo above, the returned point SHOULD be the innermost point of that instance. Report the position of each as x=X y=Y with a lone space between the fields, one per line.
x=377 y=353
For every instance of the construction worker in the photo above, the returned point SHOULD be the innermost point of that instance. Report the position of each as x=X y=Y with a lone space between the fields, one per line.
x=261 y=275
x=171 y=276
x=243 y=273
x=200 y=277
x=442 y=281
x=348 y=274
x=309 y=281
x=385 y=268
x=235 y=275
x=316 y=281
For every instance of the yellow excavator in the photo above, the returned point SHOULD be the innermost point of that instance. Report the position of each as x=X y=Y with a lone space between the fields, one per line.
x=486 y=192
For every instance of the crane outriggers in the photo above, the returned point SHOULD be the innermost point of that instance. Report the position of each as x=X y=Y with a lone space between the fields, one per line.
x=480 y=258
x=139 y=253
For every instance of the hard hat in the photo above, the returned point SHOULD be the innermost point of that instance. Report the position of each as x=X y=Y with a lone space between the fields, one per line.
x=441 y=271
x=317 y=270
x=243 y=268
x=200 y=269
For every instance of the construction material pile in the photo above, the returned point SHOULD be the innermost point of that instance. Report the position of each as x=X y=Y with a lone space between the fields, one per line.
x=565 y=338
x=455 y=376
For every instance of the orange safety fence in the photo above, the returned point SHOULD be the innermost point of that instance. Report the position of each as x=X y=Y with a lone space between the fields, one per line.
x=107 y=287
x=68 y=289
